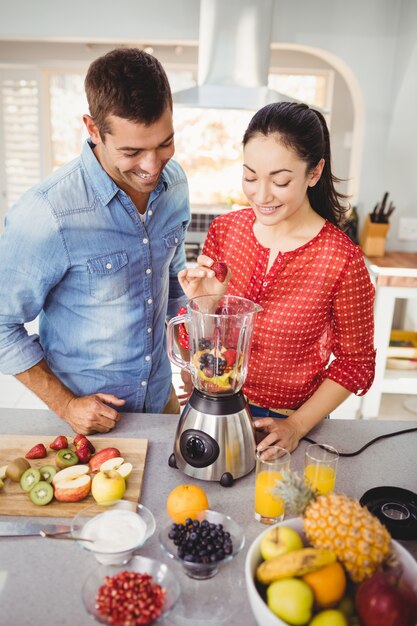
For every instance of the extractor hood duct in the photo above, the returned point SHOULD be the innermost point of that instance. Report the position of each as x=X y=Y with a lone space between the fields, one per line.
x=233 y=58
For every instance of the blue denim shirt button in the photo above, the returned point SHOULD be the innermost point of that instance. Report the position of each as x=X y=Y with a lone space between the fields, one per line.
x=150 y=300
x=147 y=357
x=149 y=330
x=150 y=212
x=143 y=383
x=108 y=266
x=148 y=271
x=145 y=240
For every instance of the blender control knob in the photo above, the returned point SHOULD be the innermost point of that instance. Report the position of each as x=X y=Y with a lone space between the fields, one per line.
x=195 y=448
x=198 y=448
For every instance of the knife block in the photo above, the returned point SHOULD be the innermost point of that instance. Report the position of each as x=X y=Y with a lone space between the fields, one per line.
x=372 y=238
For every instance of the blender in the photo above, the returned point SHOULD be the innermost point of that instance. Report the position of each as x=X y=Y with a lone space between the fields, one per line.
x=215 y=437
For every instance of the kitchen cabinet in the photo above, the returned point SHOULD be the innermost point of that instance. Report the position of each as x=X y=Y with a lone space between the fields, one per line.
x=394 y=276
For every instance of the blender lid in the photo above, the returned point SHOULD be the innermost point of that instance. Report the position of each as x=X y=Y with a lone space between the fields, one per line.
x=395 y=507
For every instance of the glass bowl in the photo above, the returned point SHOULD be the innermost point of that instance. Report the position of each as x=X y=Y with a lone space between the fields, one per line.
x=208 y=569
x=160 y=573
x=115 y=530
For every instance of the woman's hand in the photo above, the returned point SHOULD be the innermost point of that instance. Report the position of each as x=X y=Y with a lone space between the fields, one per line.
x=280 y=432
x=201 y=280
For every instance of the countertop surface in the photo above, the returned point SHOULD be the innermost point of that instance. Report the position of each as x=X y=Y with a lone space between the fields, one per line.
x=41 y=580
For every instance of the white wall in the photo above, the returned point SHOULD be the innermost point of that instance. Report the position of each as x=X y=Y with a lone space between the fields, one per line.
x=377 y=39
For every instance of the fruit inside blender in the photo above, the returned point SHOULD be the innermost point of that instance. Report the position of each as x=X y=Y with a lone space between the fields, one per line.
x=217 y=367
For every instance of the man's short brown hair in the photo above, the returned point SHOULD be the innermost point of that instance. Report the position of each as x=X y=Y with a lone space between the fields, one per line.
x=127 y=83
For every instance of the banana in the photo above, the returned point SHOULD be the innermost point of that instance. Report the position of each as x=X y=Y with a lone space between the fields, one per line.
x=295 y=563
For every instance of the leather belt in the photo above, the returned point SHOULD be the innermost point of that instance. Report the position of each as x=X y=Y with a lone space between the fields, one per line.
x=281 y=411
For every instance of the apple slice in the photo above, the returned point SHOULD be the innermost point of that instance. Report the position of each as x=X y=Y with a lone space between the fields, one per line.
x=125 y=470
x=73 y=490
x=72 y=483
x=70 y=473
x=112 y=464
x=100 y=457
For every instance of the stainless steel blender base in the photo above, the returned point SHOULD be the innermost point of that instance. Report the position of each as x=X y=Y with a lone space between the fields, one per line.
x=215 y=439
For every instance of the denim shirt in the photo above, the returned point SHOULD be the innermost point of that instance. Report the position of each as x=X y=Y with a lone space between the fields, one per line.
x=76 y=252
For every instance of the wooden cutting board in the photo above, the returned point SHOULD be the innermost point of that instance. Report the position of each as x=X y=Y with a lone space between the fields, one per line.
x=14 y=501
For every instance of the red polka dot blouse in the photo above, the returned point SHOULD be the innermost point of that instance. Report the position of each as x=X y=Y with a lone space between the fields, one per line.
x=317 y=301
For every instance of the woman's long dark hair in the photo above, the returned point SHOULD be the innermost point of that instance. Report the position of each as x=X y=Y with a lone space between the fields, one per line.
x=305 y=131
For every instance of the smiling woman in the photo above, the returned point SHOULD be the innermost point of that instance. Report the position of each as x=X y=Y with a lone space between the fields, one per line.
x=287 y=254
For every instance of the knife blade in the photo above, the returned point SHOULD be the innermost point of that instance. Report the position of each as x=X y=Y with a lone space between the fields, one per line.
x=30 y=529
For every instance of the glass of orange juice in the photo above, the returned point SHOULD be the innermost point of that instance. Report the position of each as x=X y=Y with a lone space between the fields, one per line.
x=269 y=464
x=320 y=465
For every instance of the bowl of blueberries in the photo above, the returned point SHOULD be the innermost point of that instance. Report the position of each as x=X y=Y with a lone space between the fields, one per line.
x=203 y=544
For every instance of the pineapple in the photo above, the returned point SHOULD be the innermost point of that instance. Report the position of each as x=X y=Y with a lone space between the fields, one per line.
x=336 y=522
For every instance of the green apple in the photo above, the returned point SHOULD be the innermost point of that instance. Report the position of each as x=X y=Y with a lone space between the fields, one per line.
x=108 y=486
x=279 y=540
x=331 y=617
x=291 y=600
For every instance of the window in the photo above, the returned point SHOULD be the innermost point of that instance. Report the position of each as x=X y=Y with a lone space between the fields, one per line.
x=19 y=109
x=208 y=142
x=67 y=103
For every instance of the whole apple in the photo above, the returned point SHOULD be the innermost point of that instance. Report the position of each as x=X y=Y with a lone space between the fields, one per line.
x=386 y=598
x=291 y=600
x=329 y=617
x=280 y=540
x=108 y=486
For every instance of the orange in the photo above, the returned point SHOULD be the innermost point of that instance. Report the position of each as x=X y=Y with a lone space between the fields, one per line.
x=186 y=501
x=328 y=585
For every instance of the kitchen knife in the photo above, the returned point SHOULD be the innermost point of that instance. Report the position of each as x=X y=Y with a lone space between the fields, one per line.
x=30 y=529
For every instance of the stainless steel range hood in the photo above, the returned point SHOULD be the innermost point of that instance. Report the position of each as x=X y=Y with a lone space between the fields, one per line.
x=233 y=58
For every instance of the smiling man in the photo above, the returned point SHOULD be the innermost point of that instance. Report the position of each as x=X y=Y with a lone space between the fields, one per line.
x=94 y=251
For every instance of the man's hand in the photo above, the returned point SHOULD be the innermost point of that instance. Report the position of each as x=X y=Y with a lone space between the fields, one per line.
x=201 y=280
x=90 y=414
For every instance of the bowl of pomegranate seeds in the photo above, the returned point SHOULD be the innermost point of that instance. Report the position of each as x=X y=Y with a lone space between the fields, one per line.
x=137 y=593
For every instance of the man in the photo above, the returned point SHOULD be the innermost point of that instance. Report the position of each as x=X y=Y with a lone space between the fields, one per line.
x=95 y=250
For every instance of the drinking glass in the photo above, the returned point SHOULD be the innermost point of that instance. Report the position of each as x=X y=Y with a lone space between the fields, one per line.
x=320 y=465
x=269 y=509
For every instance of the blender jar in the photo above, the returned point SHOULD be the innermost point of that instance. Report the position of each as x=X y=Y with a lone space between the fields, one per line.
x=220 y=334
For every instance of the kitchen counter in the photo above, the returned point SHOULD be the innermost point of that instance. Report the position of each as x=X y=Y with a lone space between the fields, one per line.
x=41 y=580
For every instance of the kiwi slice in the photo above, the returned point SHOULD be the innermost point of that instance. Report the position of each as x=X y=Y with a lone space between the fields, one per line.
x=42 y=493
x=65 y=458
x=47 y=473
x=16 y=468
x=30 y=478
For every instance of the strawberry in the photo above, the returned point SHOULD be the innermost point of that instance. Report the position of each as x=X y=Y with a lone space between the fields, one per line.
x=83 y=451
x=37 y=452
x=59 y=443
x=83 y=441
x=220 y=270
x=230 y=357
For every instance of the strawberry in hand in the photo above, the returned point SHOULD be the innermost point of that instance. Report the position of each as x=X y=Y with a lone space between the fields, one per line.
x=220 y=270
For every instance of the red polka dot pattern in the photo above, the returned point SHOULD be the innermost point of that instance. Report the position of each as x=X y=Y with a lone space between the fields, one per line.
x=317 y=301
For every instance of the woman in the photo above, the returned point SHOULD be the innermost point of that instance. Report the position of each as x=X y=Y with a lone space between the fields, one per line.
x=287 y=253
